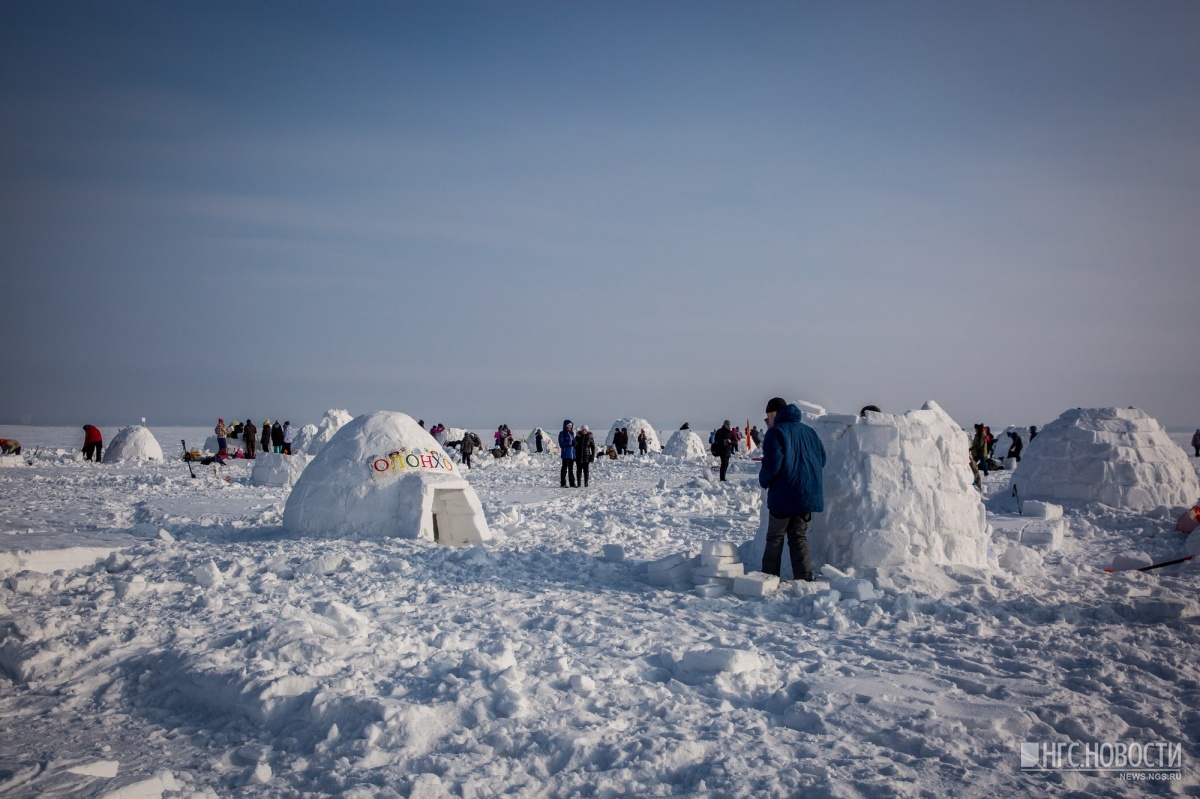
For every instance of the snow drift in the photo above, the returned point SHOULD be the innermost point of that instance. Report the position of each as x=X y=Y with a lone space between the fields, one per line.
x=133 y=443
x=898 y=492
x=1119 y=457
x=384 y=475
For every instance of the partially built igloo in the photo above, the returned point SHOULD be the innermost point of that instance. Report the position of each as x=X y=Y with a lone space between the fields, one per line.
x=1119 y=457
x=135 y=442
x=383 y=475
x=635 y=425
x=898 y=492
x=549 y=441
x=687 y=445
x=312 y=437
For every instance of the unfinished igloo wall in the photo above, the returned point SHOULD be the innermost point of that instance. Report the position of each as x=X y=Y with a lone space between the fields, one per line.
x=1119 y=457
x=635 y=425
x=133 y=443
x=383 y=475
x=898 y=491
x=687 y=445
x=312 y=438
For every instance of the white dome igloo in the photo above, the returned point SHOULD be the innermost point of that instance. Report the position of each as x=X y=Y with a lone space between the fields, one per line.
x=133 y=443
x=635 y=425
x=898 y=492
x=687 y=445
x=383 y=475
x=1119 y=457
x=312 y=438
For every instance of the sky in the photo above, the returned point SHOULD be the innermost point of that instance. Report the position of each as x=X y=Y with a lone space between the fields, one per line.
x=486 y=212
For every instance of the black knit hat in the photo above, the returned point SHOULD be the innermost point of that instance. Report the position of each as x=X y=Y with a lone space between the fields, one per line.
x=776 y=404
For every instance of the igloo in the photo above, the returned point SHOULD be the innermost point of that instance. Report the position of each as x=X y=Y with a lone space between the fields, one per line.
x=1119 y=457
x=898 y=492
x=383 y=475
x=312 y=438
x=133 y=443
x=549 y=441
x=686 y=444
x=635 y=425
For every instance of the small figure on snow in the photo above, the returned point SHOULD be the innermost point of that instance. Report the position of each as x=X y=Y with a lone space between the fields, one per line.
x=266 y=436
x=10 y=446
x=566 y=448
x=287 y=438
x=93 y=442
x=1014 y=449
x=1196 y=442
x=723 y=445
x=466 y=447
x=222 y=436
x=250 y=436
x=643 y=442
x=277 y=437
x=585 y=453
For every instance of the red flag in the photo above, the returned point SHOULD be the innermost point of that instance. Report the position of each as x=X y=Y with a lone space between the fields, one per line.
x=749 y=440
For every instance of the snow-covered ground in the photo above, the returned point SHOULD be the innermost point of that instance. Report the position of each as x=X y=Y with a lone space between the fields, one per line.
x=165 y=636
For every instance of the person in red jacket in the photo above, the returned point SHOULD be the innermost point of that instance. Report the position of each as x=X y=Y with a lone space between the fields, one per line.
x=93 y=442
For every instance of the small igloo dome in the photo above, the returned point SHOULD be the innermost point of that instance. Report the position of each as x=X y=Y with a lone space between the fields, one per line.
x=133 y=443
x=686 y=444
x=898 y=492
x=383 y=475
x=635 y=425
x=1119 y=457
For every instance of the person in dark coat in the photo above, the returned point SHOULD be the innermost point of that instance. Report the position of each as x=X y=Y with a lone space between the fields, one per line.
x=266 y=436
x=756 y=436
x=585 y=453
x=1014 y=449
x=93 y=442
x=566 y=448
x=1196 y=442
x=643 y=442
x=466 y=447
x=723 y=446
x=277 y=437
x=537 y=440
x=792 y=472
x=250 y=436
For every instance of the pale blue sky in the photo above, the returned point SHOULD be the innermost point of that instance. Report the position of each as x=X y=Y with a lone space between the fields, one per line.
x=486 y=212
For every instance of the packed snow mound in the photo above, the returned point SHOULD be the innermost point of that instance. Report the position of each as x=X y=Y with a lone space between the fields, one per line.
x=686 y=444
x=383 y=475
x=635 y=425
x=276 y=469
x=549 y=441
x=133 y=443
x=1119 y=457
x=899 y=493
x=312 y=438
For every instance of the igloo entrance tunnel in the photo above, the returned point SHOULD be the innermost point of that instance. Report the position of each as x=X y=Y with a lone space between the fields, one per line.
x=383 y=475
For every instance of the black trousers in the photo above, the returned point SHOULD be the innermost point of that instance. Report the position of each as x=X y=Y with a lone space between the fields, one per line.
x=568 y=470
x=467 y=459
x=583 y=471
x=724 y=465
x=250 y=448
x=93 y=449
x=795 y=528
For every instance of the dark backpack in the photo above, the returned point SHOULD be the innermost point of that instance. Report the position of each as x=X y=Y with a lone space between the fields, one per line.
x=717 y=448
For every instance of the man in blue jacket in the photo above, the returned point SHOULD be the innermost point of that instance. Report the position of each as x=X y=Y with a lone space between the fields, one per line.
x=793 y=459
x=566 y=446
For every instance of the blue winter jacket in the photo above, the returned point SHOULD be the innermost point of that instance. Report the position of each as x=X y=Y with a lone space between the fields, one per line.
x=793 y=458
x=566 y=443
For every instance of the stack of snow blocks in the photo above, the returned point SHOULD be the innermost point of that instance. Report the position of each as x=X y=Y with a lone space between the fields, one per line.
x=721 y=572
x=673 y=571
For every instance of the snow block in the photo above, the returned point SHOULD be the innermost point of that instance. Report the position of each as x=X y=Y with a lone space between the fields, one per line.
x=11 y=460
x=667 y=563
x=711 y=590
x=1044 y=534
x=722 y=549
x=730 y=569
x=702 y=664
x=1042 y=510
x=275 y=469
x=755 y=584
x=614 y=553
x=853 y=588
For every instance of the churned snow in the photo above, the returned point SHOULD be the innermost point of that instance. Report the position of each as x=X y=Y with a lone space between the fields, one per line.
x=164 y=636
